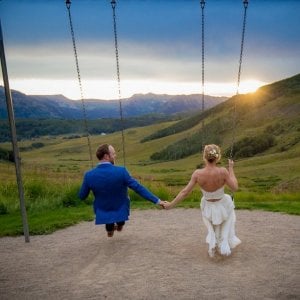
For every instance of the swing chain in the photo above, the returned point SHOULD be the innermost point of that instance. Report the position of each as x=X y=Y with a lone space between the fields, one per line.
x=242 y=45
x=245 y=2
x=233 y=129
x=68 y=5
x=202 y=2
x=113 y=5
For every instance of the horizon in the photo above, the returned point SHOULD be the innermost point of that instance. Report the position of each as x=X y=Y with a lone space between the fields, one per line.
x=138 y=93
x=211 y=89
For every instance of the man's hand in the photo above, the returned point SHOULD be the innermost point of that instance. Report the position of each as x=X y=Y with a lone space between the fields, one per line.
x=163 y=204
x=167 y=205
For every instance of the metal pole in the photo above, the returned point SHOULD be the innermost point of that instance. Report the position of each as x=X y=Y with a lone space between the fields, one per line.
x=12 y=124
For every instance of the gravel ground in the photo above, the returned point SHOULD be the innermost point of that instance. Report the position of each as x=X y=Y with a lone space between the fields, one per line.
x=159 y=255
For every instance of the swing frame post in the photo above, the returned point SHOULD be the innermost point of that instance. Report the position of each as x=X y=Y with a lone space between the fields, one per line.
x=11 y=117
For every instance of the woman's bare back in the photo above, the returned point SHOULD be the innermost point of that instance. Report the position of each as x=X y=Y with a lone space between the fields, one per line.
x=211 y=178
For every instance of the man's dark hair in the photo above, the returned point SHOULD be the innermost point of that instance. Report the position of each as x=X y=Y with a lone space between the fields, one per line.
x=102 y=150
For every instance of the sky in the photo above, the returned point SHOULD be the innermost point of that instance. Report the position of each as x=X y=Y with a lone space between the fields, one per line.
x=159 y=46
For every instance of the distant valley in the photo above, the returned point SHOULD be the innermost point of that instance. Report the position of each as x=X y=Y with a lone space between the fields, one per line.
x=60 y=107
x=266 y=135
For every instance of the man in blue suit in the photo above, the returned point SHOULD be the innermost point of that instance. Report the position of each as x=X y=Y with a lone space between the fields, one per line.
x=109 y=184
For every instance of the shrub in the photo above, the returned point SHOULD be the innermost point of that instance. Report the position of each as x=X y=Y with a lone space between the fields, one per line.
x=37 y=145
x=7 y=155
x=3 y=209
x=250 y=146
x=34 y=189
x=70 y=197
x=187 y=146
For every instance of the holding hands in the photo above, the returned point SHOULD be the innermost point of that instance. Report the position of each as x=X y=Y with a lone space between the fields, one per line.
x=165 y=204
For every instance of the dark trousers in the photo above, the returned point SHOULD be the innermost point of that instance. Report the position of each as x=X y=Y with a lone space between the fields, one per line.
x=111 y=227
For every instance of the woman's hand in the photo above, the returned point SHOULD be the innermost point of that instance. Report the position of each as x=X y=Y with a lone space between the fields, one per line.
x=167 y=205
x=231 y=180
x=163 y=204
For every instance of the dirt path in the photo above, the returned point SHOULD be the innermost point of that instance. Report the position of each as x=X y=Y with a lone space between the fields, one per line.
x=159 y=255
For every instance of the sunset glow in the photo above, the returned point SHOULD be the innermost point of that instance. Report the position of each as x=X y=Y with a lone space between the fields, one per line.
x=107 y=89
x=161 y=55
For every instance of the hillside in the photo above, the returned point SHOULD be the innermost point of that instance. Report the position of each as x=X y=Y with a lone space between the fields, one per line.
x=60 y=107
x=273 y=111
x=269 y=116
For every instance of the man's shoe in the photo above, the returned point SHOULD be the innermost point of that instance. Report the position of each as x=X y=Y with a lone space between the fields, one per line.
x=119 y=227
x=110 y=233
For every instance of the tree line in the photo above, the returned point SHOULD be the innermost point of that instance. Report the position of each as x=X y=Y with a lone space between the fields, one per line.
x=35 y=128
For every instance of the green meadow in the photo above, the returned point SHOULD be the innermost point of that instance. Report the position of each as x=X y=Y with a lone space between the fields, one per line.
x=267 y=162
x=52 y=176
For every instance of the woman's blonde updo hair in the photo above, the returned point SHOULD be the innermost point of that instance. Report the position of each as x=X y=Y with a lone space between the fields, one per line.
x=212 y=153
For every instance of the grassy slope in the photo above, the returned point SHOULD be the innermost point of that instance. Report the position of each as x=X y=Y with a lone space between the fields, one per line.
x=70 y=157
x=269 y=181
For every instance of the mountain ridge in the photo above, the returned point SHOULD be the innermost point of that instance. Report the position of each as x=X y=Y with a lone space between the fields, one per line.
x=61 y=107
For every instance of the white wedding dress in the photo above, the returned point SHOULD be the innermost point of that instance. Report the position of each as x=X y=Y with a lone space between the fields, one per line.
x=219 y=218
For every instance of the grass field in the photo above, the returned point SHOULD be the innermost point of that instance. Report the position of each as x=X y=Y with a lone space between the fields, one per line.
x=52 y=176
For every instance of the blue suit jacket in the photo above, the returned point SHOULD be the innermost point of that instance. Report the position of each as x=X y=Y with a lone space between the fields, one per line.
x=109 y=184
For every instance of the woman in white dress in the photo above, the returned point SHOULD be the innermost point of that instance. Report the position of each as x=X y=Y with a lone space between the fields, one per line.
x=217 y=207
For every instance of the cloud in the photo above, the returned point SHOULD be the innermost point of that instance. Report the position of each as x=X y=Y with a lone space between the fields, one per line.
x=97 y=60
x=158 y=40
